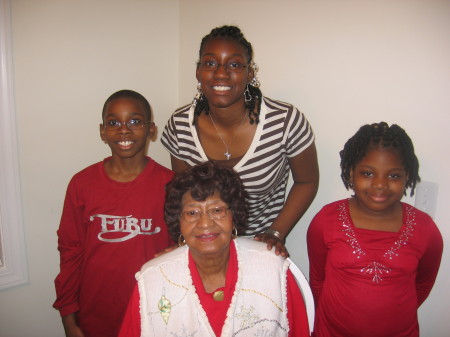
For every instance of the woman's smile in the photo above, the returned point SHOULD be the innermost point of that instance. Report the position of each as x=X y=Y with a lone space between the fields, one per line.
x=207 y=237
x=203 y=234
x=221 y=88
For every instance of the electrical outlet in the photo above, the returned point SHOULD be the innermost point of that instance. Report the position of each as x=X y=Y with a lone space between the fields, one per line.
x=426 y=197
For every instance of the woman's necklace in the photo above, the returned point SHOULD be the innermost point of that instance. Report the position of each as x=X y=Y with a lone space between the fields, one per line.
x=218 y=295
x=227 y=154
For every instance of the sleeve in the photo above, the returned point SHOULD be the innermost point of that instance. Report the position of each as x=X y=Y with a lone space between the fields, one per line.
x=429 y=263
x=297 y=316
x=300 y=135
x=131 y=323
x=317 y=254
x=71 y=236
x=169 y=137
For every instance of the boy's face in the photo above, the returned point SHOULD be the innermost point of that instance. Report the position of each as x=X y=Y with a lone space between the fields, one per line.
x=123 y=141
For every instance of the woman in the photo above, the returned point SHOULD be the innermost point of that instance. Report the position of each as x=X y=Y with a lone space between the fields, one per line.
x=214 y=284
x=232 y=124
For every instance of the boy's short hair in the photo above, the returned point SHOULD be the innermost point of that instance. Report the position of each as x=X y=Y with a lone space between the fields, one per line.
x=125 y=93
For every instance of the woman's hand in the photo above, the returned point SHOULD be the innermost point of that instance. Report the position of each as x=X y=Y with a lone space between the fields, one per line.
x=273 y=241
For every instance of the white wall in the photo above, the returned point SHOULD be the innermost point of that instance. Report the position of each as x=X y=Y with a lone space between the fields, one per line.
x=344 y=63
x=69 y=56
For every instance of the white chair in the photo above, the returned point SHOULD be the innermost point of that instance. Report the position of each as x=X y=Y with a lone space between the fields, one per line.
x=308 y=298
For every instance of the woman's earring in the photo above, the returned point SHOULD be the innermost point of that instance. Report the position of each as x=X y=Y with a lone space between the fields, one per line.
x=181 y=241
x=247 y=95
x=234 y=233
x=255 y=82
x=198 y=96
x=350 y=184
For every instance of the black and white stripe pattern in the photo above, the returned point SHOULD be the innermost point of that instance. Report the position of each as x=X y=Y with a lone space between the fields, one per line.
x=283 y=132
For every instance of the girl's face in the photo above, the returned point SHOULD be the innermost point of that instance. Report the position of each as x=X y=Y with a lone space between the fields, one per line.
x=203 y=234
x=379 y=180
x=224 y=87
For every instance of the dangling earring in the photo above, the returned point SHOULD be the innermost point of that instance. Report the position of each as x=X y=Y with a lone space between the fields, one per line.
x=247 y=95
x=350 y=184
x=198 y=96
x=234 y=233
x=181 y=241
x=255 y=82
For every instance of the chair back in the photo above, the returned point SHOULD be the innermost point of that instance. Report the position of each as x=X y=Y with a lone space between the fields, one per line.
x=308 y=298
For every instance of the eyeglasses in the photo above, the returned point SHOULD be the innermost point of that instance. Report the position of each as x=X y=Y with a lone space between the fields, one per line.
x=215 y=213
x=132 y=124
x=231 y=67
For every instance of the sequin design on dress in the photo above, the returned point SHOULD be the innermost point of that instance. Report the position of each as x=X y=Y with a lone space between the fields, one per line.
x=376 y=268
x=349 y=232
x=404 y=235
x=183 y=332
x=164 y=307
x=247 y=316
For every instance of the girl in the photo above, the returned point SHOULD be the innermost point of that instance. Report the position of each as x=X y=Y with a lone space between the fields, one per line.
x=373 y=259
x=232 y=124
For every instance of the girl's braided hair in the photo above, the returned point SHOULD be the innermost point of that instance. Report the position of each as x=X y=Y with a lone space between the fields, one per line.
x=382 y=135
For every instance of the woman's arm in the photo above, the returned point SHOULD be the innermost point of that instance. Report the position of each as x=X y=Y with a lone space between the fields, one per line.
x=305 y=174
x=178 y=165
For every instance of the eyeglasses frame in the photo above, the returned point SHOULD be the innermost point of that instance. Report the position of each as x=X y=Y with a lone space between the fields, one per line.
x=207 y=212
x=125 y=123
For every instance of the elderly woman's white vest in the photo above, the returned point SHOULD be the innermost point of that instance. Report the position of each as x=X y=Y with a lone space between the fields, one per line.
x=170 y=306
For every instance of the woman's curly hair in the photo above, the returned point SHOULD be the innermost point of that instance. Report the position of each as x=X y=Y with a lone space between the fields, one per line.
x=202 y=181
x=371 y=136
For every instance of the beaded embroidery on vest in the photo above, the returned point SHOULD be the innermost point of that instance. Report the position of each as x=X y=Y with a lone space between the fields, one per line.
x=376 y=268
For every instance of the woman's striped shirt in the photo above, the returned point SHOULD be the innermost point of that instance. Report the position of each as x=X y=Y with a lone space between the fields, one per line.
x=282 y=132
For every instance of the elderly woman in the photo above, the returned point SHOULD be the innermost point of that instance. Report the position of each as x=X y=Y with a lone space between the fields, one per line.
x=214 y=284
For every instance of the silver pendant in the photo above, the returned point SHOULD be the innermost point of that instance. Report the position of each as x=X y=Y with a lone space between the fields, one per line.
x=228 y=155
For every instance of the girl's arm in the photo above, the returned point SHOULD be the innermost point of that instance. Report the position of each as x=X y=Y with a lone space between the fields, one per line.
x=317 y=254
x=305 y=173
x=429 y=263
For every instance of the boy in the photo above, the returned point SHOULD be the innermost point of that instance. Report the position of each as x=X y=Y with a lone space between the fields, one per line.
x=112 y=222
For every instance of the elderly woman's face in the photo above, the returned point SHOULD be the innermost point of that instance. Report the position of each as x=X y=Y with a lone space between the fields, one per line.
x=206 y=225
